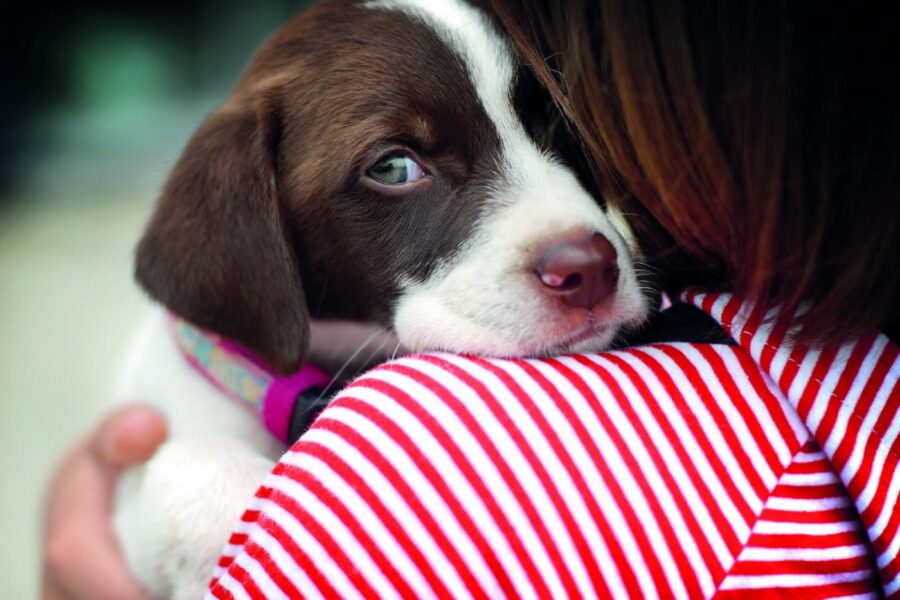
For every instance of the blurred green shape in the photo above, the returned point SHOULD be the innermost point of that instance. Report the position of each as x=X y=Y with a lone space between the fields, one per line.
x=122 y=69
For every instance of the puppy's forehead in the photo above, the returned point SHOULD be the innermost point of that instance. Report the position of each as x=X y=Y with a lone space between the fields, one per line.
x=468 y=33
x=471 y=37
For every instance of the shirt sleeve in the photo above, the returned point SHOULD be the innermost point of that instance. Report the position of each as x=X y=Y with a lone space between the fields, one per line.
x=624 y=474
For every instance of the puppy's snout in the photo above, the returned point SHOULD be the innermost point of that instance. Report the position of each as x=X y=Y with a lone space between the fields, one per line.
x=581 y=273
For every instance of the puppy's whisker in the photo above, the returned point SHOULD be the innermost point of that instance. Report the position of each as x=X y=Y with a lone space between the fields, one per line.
x=347 y=363
x=321 y=298
x=368 y=362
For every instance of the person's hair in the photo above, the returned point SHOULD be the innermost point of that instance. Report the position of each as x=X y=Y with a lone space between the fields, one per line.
x=758 y=138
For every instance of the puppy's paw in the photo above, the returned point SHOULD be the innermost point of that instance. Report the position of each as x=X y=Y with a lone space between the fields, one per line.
x=174 y=514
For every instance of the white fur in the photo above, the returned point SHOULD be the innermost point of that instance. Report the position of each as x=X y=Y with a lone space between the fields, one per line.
x=174 y=513
x=487 y=300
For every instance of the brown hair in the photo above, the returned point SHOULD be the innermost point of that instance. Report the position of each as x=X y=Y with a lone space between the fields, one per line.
x=758 y=138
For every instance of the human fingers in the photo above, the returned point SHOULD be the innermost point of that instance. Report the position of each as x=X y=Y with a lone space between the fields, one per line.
x=128 y=436
x=82 y=557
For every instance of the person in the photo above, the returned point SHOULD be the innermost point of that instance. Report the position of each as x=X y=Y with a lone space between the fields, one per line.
x=755 y=146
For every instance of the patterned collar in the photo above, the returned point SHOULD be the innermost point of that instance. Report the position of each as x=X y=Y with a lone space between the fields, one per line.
x=237 y=373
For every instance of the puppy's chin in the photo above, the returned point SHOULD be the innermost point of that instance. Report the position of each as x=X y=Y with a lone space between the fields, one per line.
x=595 y=337
x=468 y=338
x=598 y=343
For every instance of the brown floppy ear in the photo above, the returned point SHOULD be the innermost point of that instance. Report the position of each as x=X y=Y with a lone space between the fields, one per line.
x=217 y=251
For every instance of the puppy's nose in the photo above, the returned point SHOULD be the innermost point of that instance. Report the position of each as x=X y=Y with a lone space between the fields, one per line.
x=581 y=273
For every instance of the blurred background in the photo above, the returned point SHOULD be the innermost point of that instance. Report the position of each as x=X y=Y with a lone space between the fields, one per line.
x=99 y=98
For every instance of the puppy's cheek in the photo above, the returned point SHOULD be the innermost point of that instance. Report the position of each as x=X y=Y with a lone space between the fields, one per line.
x=450 y=315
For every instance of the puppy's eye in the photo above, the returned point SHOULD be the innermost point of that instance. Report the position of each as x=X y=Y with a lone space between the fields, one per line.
x=396 y=170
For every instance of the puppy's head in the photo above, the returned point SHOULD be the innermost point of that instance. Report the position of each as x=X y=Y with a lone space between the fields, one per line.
x=387 y=161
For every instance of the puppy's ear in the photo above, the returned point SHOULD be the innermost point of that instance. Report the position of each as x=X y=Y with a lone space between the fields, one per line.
x=217 y=251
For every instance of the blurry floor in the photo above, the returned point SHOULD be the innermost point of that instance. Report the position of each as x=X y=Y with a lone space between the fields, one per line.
x=67 y=306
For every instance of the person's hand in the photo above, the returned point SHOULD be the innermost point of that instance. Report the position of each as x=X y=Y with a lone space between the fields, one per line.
x=82 y=558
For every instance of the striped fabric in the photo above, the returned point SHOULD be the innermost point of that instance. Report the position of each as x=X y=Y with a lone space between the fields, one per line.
x=670 y=470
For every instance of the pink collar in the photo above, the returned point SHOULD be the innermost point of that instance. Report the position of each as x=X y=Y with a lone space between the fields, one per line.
x=237 y=373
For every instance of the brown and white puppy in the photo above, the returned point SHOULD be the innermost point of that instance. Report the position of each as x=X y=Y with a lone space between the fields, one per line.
x=379 y=161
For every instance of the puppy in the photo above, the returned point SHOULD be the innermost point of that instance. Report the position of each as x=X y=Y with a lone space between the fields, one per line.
x=383 y=161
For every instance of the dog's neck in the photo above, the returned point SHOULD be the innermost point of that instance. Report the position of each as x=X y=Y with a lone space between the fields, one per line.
x=237 y=373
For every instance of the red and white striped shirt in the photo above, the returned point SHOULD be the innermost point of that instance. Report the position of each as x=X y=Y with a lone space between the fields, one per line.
x=668 y=470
